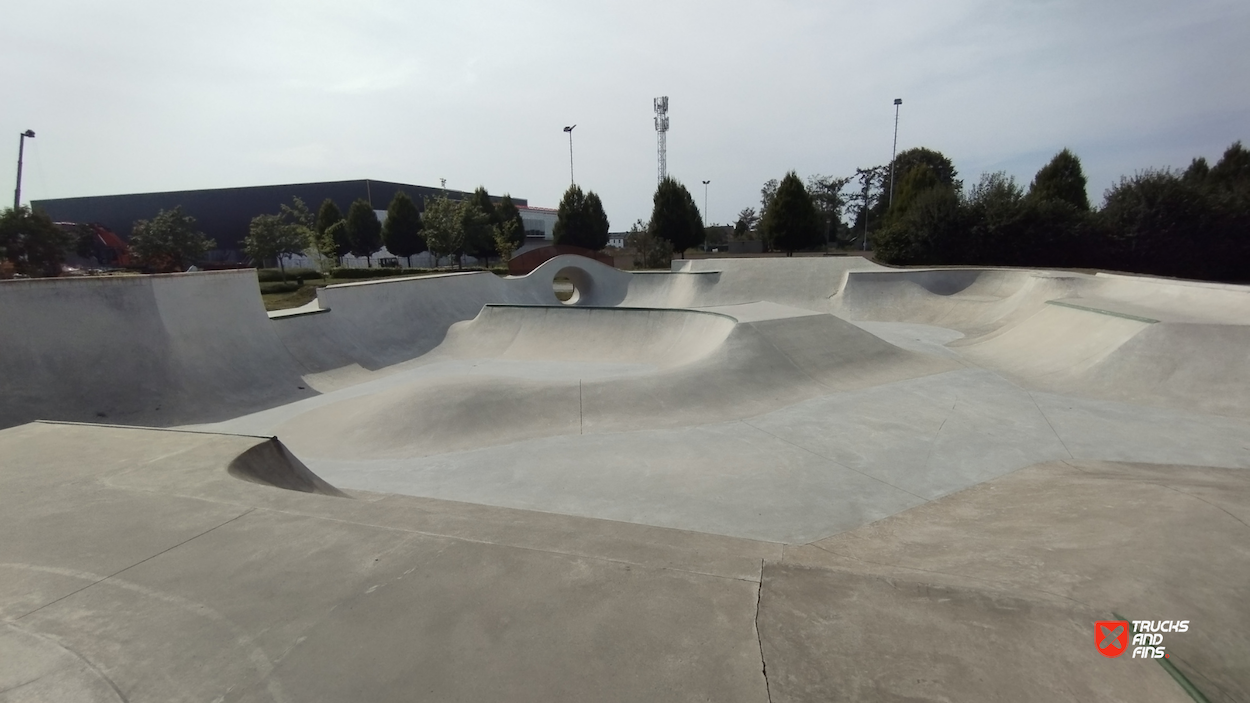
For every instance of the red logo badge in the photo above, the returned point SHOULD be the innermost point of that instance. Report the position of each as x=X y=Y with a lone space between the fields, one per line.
x=1111 y=636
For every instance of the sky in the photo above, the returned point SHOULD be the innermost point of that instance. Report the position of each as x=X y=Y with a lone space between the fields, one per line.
x=140 y=96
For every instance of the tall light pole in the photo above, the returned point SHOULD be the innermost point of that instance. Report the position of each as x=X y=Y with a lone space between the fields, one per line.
x=894 y=151
x=21 y=147
x=705 y=202
x=570 y=131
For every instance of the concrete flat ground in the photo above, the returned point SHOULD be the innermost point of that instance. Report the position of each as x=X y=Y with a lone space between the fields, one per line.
x=765 y=480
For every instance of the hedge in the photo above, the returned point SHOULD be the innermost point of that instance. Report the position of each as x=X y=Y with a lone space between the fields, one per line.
x=275 y=275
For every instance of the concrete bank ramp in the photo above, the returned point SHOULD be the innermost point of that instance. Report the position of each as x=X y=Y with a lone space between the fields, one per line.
x=1202 y=367
x=663 y=338
x=697 y=367
x=373 y=324
x=1155 y=341
x=973 y=301
x=155 y=350
x=803 y=282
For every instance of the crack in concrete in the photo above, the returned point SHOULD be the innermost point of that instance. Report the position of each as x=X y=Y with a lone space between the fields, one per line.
x=24 y=684
x=759 y=596
x=117 y=691
x=933 y=441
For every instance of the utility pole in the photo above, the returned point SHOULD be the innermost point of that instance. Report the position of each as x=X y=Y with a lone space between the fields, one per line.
x=21 y=147
x=570 y=131
x=894 y=151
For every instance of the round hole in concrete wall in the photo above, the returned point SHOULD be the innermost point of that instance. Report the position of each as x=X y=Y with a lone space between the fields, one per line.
x=572 y=286
x=564 y=289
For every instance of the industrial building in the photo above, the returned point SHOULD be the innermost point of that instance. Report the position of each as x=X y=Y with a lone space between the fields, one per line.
x=225 y=213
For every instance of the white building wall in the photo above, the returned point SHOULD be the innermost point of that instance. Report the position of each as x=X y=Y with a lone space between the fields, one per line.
x=539 y=219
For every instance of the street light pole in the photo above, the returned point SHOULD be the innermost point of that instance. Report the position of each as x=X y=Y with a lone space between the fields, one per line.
x=570 y=131
x=21 y=147
x=894 y=151
x=705 y=220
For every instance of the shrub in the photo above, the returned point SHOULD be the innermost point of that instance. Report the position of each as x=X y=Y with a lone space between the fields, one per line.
x=279 y=287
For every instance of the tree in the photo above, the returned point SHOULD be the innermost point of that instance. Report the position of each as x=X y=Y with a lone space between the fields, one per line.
x=1232 y=171
x=401 y=233
x=331 y=244
x=169 y=241
x=596 y=223
x=507 y=211
x=826 y=192
x=298 y=215
x=505 y=239
x=479 y=230
x=571 y=223
x=1193 y=224
x=650 y=252
x=1062 y=179
x=744 y=227
x=942 y=167
x=791 y=221
x=364 y=232
x=921 y=232
x=274 y=236
x=767 y=193
x=1198 y=171
x=444 y=228
x=482 y=199
x=916 y=181
x=675 y=216
x=32 y=242
x=867 y=197
x=581 y=220
x=994 y=214
x=1160 y=223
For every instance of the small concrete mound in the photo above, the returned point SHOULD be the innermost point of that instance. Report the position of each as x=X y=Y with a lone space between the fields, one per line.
x=272 y=464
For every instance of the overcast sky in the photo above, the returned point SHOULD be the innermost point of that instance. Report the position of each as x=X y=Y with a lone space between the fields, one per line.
x=138 y=96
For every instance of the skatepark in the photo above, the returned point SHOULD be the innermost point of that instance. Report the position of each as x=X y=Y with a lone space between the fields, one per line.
x=767 y=479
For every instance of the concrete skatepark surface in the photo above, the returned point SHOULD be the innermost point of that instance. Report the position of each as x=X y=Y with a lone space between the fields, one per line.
x=756 y=479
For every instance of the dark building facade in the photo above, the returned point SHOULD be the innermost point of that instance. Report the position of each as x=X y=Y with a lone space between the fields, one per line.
x=225 y=213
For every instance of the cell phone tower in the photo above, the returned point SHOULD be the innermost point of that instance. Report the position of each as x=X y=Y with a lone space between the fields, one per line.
x=661 y=133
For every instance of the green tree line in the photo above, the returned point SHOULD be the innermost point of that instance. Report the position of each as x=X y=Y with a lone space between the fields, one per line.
x=1191 y=223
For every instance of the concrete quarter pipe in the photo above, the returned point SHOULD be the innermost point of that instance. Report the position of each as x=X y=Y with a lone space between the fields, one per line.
x=802 y=446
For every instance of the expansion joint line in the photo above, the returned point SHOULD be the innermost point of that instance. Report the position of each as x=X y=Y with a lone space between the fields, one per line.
x=1049 y=424
x=759 y=596
x=137 y=563
x=818 y=455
